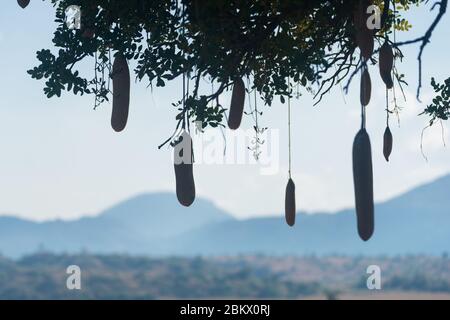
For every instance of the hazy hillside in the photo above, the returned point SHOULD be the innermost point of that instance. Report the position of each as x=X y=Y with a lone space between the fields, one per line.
x=417 y=222
x=139 y=225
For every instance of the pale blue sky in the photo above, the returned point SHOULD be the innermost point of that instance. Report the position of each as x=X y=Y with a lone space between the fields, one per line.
x=61 y=159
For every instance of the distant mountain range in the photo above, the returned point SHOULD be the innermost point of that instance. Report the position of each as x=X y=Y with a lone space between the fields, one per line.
x=155 y=224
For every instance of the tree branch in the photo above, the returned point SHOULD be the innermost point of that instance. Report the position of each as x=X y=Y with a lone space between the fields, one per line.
x=425 y=39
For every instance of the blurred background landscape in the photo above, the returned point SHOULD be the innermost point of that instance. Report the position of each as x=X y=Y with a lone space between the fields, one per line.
x=43 y=276
x=150 y=248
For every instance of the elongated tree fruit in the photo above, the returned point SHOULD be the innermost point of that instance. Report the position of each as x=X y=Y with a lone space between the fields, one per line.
x=365 y=41
x=386 y=63
x=366 y=88
x=121 y=93
x=289 y=204
x=364 y=37
x=183 y=164
x=237 y=104
x=387 y=143
x=23 y=3
x=363 y=184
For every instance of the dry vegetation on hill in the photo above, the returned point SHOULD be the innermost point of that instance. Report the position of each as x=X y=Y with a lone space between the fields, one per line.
x=43 y=276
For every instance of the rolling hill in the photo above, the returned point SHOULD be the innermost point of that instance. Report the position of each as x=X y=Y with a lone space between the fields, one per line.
x=417 y=222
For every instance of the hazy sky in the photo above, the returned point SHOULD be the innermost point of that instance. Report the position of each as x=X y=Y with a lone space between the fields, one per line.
x=61 y=159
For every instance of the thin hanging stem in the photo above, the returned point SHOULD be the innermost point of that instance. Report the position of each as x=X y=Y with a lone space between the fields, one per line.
x=363 y=109
x=394 y=68
x=212 y=92
x=387 y=90
x=96 y=82
x=184 y=101
x=289 y=131
x=387 y=107
x=256 y=114
x=249 y=94
x=184 y=76
x=257 y=141
x=442 y=133
x=185 y=108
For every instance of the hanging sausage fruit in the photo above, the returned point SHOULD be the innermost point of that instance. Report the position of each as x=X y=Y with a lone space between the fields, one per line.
x=386 y=61
x=183 y=164
x=121 y=93
x=23 y=3
x=289 y=203
x=387 y=143
x=386 y=64
x=366 y=87
x=237 y=104
x=363 y=183
x=364 y=36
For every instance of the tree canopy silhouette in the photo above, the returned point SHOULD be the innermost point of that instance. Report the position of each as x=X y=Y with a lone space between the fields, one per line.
x=309 y=43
